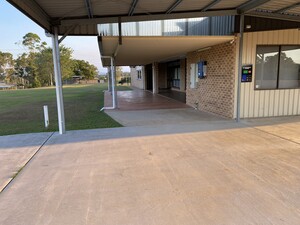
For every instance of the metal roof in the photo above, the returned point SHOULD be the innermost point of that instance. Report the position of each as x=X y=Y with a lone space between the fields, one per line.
x=79 y=17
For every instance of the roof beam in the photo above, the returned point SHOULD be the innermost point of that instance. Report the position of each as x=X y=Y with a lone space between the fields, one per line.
x=250 y=5
x=173 y=6
x=274 y=16
x=67 y=33
x=114 y=19
x=34 y=11
x=132 y=8
x=89 y=8
x=120 y=30
x=210 y=5
x=100 y=44
x=287 y=8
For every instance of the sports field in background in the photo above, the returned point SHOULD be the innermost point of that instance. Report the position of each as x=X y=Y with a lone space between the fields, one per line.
x=21 y=111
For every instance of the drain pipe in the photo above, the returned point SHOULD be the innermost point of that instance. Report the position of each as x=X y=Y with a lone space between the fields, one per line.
x=114 y=93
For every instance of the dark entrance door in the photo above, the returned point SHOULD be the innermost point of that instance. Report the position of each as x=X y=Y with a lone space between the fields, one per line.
x=149 y=78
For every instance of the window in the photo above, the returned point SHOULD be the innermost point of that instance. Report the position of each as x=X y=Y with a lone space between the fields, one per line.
x=277 y=67
x=139 y=74
x=175 y=71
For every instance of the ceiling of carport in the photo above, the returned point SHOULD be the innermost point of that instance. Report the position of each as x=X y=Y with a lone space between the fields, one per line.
x=80 y=17
x=144 y=50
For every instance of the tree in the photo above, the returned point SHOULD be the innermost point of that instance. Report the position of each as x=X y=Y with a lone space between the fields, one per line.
x=6 y=65
x=84 y=69
x=36 y=66
x=44 y=62
x=26 y=65
x=45 y=70
x=118 y=73
x=33 y=42
x=66 y=62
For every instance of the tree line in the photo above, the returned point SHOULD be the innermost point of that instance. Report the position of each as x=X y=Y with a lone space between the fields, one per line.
x=34 y=67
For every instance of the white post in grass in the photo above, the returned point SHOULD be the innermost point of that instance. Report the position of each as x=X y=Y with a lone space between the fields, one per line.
x=46 y=116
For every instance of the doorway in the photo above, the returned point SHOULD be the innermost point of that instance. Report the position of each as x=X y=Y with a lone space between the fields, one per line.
x=149 y=77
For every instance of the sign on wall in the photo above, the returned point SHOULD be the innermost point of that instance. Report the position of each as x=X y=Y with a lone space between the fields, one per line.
x=247 y=73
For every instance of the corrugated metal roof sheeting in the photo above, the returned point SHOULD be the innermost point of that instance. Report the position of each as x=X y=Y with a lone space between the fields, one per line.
x=80 y=30
x=66 y=8
x=192 y=4
x=146 y=6
x=294 y=11
x=55 y=12
x=277 y=4
x=109 y=7
x=229 y=4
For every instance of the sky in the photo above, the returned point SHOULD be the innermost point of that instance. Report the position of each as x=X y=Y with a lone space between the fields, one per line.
x=14 y=25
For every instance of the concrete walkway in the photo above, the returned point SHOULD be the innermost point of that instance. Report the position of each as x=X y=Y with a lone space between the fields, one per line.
x=142 y=100
x=218 y=173
x=15 y=151
x=162 y=116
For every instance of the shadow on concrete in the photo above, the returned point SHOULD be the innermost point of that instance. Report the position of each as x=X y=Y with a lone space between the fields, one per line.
x=269 y=125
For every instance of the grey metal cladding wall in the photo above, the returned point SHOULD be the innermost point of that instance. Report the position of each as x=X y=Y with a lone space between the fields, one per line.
x=174 y=27
x=265 y=24
x=221 y=25
x=150 y=28
x=198 y=26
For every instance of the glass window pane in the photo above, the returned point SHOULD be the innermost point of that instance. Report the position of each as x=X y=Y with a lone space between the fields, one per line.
x=289 y=73
x=266 y=67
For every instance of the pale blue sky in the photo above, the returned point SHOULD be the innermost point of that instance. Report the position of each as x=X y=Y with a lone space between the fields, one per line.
x=14 y=25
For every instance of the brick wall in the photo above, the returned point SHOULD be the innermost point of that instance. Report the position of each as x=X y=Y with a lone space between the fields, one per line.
x=135 y=82
x=215 y=93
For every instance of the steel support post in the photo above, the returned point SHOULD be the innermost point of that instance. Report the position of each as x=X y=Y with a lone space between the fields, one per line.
x=240 y=64
x=58 y=83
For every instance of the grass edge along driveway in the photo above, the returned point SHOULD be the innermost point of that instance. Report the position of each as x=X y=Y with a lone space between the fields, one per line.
x=21 y=111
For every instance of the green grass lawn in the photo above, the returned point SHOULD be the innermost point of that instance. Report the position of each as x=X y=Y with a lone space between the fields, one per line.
x=21 y=111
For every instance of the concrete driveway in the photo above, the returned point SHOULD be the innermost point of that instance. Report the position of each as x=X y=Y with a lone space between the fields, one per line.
x=16 y=151
x=194 y=173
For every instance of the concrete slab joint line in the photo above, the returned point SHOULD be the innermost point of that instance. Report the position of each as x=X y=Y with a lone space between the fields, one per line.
x=20 y=169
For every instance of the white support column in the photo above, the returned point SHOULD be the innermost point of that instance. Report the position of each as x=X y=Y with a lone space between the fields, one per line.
x=238 y=104
x=154 y=78
x=109 y=79
x=58 y=83
x=113 y=81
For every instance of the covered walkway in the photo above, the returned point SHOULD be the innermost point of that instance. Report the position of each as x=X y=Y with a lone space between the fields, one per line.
x=142 y=100
x=142 y=108
x=177 y=95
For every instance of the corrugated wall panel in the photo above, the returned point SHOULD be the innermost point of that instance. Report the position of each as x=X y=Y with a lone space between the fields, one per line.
x=150 y=28
x=198 y=26
x=174 y=27
x=220 y=25
x=265 y=103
